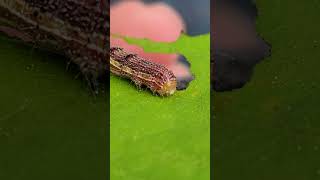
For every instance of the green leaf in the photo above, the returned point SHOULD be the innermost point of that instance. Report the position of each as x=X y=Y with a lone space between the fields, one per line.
x=269 y=129
x=50 y=126
x=157 y=138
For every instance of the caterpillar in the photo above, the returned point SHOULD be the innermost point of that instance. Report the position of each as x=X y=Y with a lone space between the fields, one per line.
x=156 y=77
x=77 y=29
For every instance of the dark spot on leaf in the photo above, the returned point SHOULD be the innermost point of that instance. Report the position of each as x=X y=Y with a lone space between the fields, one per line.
x=237 y=47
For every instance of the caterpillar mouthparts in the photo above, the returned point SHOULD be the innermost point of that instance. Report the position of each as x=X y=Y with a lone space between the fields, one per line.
x=142 y=72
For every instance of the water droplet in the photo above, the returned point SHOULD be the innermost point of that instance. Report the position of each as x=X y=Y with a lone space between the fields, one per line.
x=29 y=67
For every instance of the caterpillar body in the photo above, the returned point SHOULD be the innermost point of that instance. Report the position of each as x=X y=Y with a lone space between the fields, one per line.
x=156 y=77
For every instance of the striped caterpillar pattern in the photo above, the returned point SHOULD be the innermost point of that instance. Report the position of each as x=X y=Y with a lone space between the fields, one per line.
x=142 y=72
x=77 y=29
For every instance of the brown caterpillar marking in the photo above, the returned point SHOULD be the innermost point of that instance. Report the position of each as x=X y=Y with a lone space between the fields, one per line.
x=77 y=29
x=142 y=72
